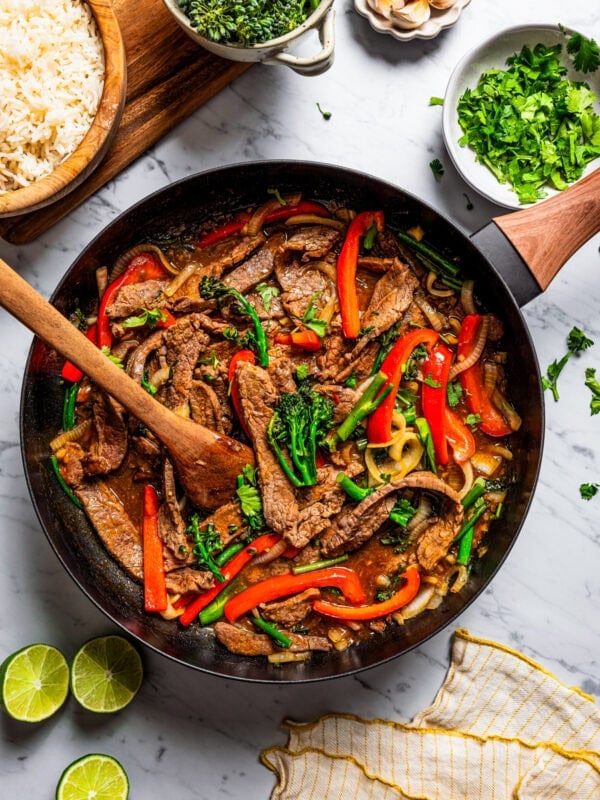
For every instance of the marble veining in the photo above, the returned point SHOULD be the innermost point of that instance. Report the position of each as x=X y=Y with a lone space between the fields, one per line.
x=196 y=736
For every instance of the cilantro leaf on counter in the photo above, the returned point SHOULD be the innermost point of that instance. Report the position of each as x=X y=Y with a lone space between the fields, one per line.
x=324 y=114
x=577 y=342
x=588 y=490
x=593 y=385
x=437 y=168
x=436 y=101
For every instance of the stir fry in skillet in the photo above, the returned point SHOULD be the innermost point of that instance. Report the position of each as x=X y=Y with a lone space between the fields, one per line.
x=352 y=358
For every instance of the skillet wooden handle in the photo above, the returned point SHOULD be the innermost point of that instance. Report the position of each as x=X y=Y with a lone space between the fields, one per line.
x=547 y=234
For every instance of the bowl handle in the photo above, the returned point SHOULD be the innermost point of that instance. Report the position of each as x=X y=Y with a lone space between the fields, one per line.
x=318 y=63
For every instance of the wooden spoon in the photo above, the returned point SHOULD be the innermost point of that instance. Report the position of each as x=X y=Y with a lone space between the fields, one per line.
x=207 y=462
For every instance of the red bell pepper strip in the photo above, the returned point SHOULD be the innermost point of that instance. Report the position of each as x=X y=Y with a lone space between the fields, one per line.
x=436 y=368
x=379 y=425
x=362 y=613
x=155 y=590
x=143 y=267
x=344 y=579
x=235 y=225
x=229 y=571
x=346 y=269
x=459 y=437
x=304 y=339
x=69 y=371
x=234 y=392
x=471 y=380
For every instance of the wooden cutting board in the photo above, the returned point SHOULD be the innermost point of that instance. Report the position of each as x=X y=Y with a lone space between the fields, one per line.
x=168 y=77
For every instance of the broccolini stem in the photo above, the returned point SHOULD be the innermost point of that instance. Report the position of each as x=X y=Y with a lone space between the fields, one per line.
x=366 y=404
x=475 y=492
x=447 y=268
x=278 y=637
x=280 y=456
x=353 y=490
x=326 y=562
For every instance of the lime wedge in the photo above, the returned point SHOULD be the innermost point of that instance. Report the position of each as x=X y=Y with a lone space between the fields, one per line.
x=34 y=682
x=93 y=776
x=106 y=674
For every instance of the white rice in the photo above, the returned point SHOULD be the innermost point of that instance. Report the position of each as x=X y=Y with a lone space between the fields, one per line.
x=51 y=80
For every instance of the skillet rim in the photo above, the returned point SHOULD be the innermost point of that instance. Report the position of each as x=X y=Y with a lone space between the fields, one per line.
x=372 y=182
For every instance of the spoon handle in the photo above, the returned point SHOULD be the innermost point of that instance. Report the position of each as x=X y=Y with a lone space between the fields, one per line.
x=30 y=308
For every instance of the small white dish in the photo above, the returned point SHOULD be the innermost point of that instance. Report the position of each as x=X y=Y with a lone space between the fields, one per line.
x=439 y=19
x=493 y=53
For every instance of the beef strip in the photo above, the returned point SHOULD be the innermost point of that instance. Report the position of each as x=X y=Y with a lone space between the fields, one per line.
x=184 y=342
x=132 y=298
x=258 y=397
x=331 y=357
x=206 y=409
x=171 y=525
x=350 y=529
x=71 y=466
x=315 y=241
x=301 y=284
x=256 y=269
x=319 y=504
x=136 y=363
x=245 y=643
x=291 y=611
x=187 y=579
x=391 y=297
x=109 y=446
x=117 y=532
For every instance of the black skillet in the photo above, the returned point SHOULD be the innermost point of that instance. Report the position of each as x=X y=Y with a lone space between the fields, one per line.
x=546 y=235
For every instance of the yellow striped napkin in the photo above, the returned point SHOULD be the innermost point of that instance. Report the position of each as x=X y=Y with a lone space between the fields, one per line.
x=500 y=728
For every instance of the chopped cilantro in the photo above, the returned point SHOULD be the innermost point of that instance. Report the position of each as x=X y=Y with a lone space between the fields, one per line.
x=473 y=419
x=310 y=321
x=593 y=385
x=531 y=126
x=577 y=342
x=429 y=381
x=469 y=205
x=267 y=292
x=436 y=101
x=149 y=317
x=454 y=393
x=589 y=490
x=437 y=168
x=585 y=51
x=115 y=359
x=276 y=194
x=302 y=372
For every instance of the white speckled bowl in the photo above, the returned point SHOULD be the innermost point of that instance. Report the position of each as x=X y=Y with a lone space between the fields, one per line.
x=440 y=19
x=274 y=51
x=493 y=53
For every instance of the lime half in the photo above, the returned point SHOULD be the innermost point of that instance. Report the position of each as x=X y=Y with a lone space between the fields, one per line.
x=94 y=776
x=34 y=682
x=106 y=674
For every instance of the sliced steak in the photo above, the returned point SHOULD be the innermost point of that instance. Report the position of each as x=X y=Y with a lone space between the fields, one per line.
x=245 y=643
x=331 y=360
x=291 y=611
x=258 y=398
x=134 y=297
x=301 y=284
x=184 y=341
x=391 y=297
x=136 y=363
x=206 y=408
x=171 y=525
x=350 y=529
x=71 y=456
x=318 y=505
x=117 y=532
x=109 y=445
x=188 y=579
x=256 y=269
x=315 y=241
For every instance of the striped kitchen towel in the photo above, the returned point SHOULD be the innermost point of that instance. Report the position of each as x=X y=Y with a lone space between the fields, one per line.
x=500 y=728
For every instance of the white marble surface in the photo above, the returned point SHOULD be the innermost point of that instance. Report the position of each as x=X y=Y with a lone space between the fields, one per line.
x=193 y=736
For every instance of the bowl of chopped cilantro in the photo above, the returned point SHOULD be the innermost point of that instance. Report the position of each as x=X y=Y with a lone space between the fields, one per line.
x=260 y=30
x=521 y=113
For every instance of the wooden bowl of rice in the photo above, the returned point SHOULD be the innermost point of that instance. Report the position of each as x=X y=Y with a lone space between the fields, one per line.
x=62 y=92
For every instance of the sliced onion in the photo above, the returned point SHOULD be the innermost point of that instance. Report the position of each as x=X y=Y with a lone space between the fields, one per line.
x=485 y=463
x=418 y=604
x=434 y=290
x=435 y=318
x=101 y=280
x=326 y=315
x=467 y=469
x=462 y=576
x=159 y=377
x=270 y=555
x=170 y=612
x=314 y=219
x=499 y=450
x=123 y=260
x=500 y=401
x=423 y=513
x=181 y=277
x=70 y=436
x=490 y=377
x=286 y=658
x=473 y=358
x=327 y=268
x=256 y=221
x=466 y=297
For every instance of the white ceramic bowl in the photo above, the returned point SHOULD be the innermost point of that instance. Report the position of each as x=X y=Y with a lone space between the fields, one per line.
x=274 y=51
x=439 y=19
x=493 y=53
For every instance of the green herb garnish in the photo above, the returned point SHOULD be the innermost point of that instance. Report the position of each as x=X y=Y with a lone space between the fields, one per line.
x=594 y=386
x=267 y=292
x=149 y=317
x=589 y=490
x=324 y=114
x=577 y=342
x=436 y=101
x=585 y=51
x=453 y=393
x=437 y=168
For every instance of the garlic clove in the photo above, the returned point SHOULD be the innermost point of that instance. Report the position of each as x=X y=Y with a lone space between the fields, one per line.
x=410 y=15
